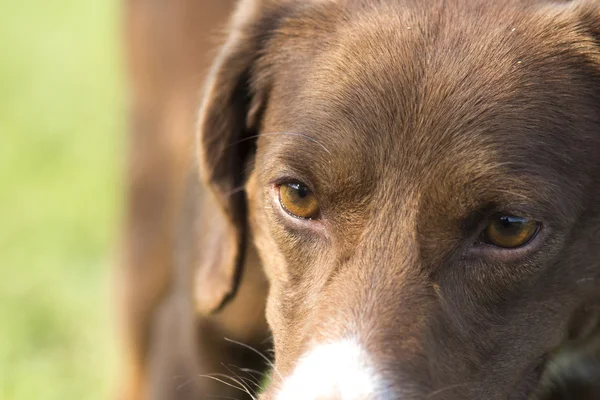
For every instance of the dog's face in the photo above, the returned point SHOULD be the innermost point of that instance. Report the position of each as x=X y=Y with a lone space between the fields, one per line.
x=421 y=183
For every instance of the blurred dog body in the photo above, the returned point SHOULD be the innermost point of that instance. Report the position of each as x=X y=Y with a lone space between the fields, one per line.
x=169 y=48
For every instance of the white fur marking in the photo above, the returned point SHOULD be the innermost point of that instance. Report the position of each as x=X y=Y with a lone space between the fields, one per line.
x=339 y=370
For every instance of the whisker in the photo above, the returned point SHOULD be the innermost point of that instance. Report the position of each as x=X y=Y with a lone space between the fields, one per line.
x=252 y=378
x=236 y=380
x=241 y=388
x=269 y=362
x=315 y=141
x=444 y=389
x=184 y=383
x=221 y=381
x=252 y=371
x=244 y=380
x=242 y=140
x=236 y=190
x=268 y=339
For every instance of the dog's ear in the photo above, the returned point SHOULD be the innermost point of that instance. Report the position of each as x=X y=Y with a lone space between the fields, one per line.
x=228 y=123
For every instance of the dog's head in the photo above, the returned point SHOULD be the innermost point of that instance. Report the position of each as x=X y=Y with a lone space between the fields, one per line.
x=422 y=182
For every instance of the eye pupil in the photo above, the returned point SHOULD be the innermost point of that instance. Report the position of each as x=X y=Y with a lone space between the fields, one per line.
x=302 y=191
x=512 y=225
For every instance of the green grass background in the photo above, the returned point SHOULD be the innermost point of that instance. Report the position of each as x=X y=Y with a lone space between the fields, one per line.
x=61 y=135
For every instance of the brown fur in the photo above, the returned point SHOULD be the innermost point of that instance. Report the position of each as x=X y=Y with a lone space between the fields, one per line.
x=412 y=121
x=166 y=347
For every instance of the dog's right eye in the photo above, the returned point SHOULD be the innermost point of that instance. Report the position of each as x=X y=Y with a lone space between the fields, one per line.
x=298 y=200
x=509 y=232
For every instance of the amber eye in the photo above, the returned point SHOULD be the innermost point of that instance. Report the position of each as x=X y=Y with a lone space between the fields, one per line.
x=509 y=231
x=298 y=200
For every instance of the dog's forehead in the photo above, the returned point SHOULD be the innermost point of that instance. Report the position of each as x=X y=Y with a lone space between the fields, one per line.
x=436 y=87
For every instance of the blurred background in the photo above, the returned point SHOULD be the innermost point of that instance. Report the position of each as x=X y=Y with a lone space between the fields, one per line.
x=61 y=156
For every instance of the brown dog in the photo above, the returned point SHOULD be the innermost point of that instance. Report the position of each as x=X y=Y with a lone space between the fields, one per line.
x=419 y=180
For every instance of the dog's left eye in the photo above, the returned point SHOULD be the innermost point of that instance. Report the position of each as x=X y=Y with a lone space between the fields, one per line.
x=298 y=200
x=509 y=231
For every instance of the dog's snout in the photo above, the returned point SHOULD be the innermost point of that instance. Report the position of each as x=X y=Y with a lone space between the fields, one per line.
x=340 y=370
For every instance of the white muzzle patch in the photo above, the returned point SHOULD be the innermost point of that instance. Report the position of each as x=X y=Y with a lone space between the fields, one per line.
x=335 y=371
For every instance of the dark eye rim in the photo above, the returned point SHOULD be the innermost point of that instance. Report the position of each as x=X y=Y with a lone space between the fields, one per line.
x=481 y=242
x=278 y=186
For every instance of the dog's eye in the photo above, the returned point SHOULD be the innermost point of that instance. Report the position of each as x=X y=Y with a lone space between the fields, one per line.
x=509 y=231
x=298 y=200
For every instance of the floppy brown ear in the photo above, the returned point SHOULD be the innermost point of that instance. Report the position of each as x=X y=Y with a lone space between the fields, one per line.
x=229 y=114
